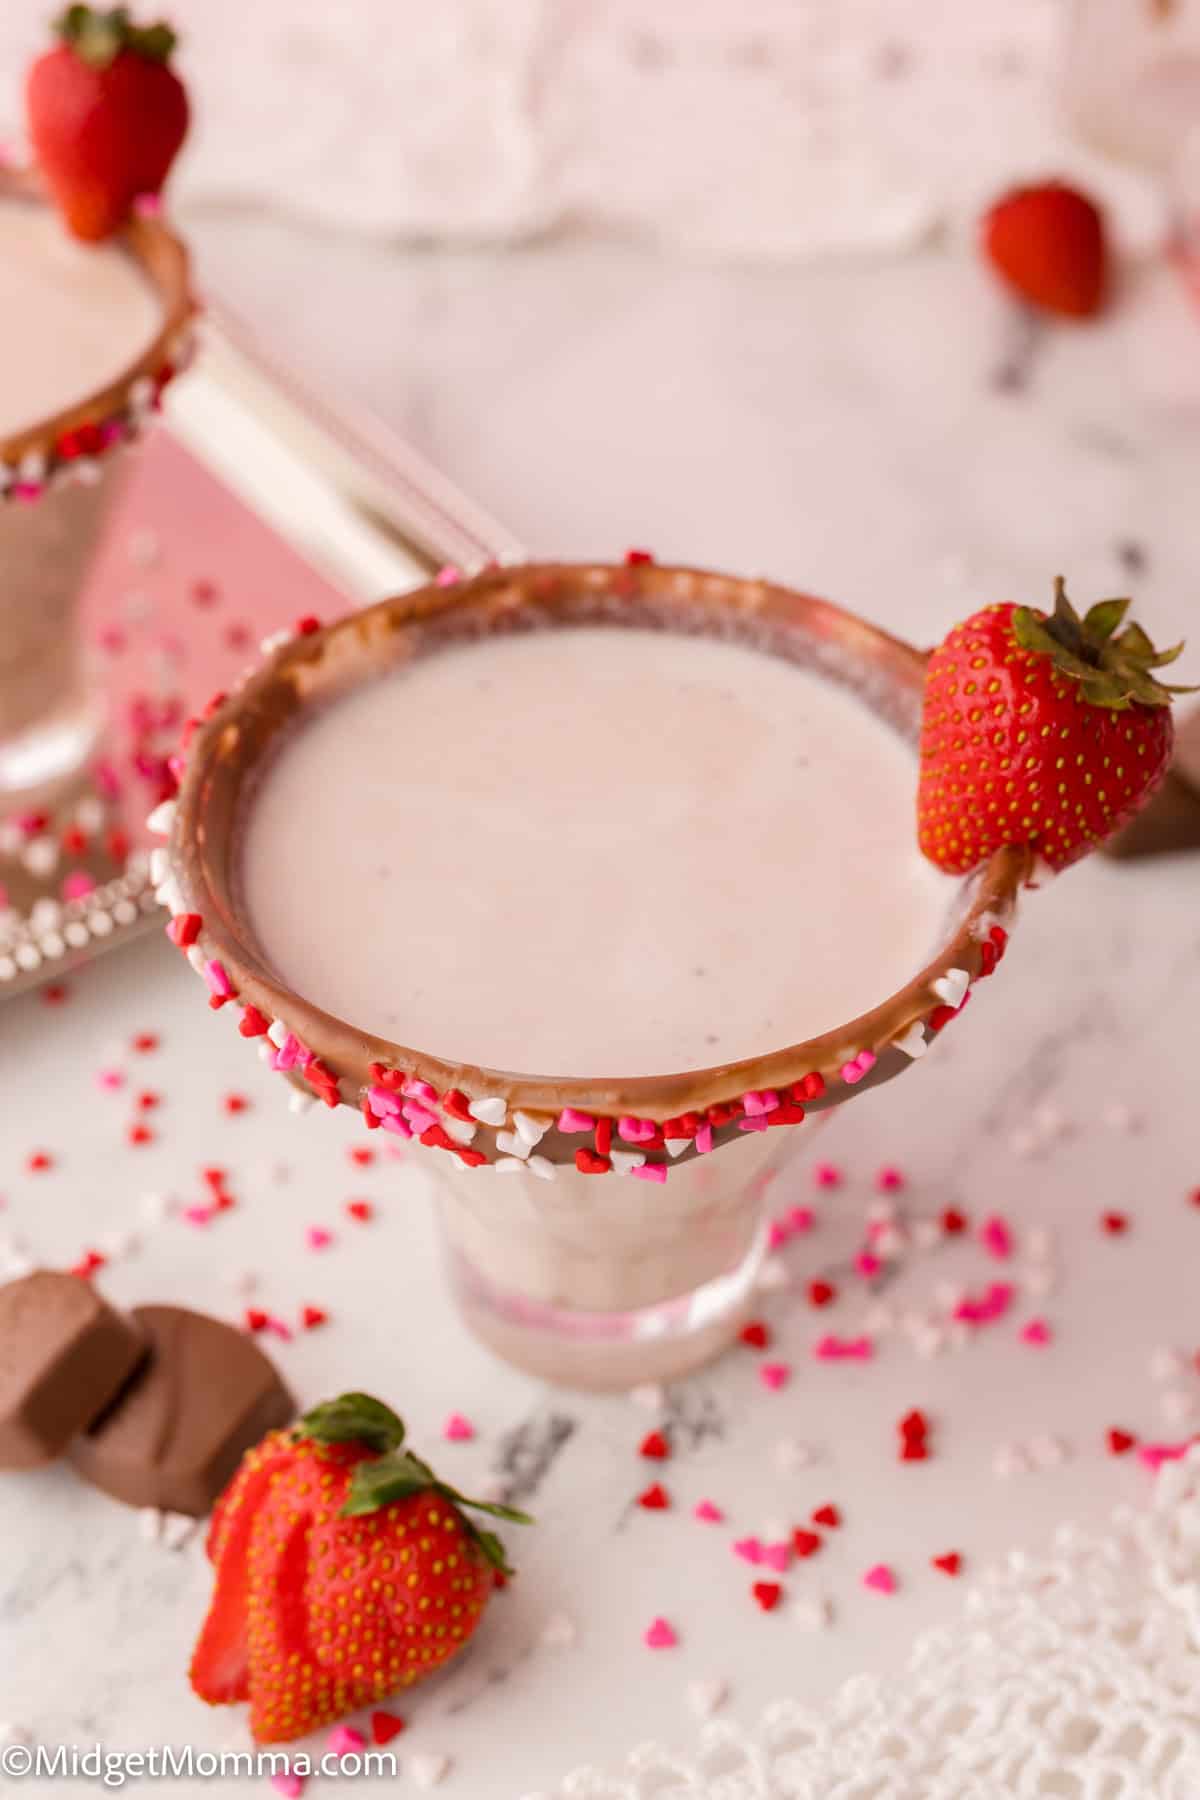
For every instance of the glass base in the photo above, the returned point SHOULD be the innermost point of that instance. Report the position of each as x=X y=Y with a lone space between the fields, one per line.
x=607 y=1350
x=41 y=759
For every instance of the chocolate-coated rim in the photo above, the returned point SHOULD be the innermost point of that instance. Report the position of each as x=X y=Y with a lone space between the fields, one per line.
x=164 y=261
x=234 y=741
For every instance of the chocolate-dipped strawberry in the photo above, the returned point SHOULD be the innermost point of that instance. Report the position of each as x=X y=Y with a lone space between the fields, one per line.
x=1046 y=730
x=345 y=1570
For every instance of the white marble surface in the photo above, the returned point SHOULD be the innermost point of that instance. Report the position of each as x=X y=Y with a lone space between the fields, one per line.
x=836 y=428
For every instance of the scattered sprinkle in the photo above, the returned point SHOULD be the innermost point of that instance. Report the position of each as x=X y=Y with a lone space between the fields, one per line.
x=880 y=1579
x=659 y=1635
x=458 y=1429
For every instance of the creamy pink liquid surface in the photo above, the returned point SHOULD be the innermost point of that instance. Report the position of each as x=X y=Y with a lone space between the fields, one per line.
x=73 y=317
x=592 y=851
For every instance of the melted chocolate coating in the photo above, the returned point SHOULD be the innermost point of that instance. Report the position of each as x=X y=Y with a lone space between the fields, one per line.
x=173 y=1438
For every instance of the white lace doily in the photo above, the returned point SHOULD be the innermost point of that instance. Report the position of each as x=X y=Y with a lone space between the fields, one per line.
x=1073 y=1675
x=770 y=128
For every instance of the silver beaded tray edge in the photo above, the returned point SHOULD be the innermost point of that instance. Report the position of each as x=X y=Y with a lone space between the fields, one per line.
x=355 y=501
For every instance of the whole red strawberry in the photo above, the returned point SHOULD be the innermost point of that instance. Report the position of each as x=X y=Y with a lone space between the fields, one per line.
x=106 y=116
x=344 y=1570
x=1048 y=243
x=1050 y=731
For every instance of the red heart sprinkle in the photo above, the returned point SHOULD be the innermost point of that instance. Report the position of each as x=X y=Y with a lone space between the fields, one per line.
x=768 y=1594
x=914 y=1450
x=1194 y=1196
x=145 y=1041
x=385 y=1726
x=1114 y=1223
x=655 y=1446
x=235 y=1103
x=827 y=1515
x=360 y=1210
x=953 y=1221
x=364 y=1158
x=950 y=1564
x=148 y=1100
x=312 y=1316
x=255 y=1319
x=821 y=1293
x=213 y=1178
x=589 y=1163
x=89 y=1262
x=755 y=1334
x=40 y=1159
x=455 y=1102
x=253 y=1023
x=472 y=1158
x=1120 y=1441
x=914 y=1424
x=140 y=1134
x=655 y=1499
x=806 y=1543
x=223 y=1202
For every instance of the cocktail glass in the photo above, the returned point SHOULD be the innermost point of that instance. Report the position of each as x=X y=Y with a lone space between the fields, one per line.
x=59 y=479
x=597 y=1232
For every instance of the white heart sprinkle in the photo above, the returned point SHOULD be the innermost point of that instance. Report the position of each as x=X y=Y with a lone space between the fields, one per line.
x=512 y=1144
x=460 y=1130
x=491 y=1110
x=278 y=1033
x=952 y=986
x=195 y=958
x=427 y=1770
x=161 y=819
x=913 y=1042
x=790 y=1454
x=300 y=1103
x=154 y=1208
x=772 y=1276
x=559 y=1633
x=530 y=1129
x=625 y=1160
x=539 y=1166
x=707 y=1697
x=677 y=1146
x=509 y=1165
x=160 y=865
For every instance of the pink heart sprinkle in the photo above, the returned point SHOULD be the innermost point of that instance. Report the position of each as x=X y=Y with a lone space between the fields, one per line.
x=707 y=1512
x=289 y=1785
x=110 y=1079
x=1036 y=1332
x=777 y=1556
x=880 y=1579
x=801 y=1218
x=996 y=1237
x=458 y=1429
x=749 y=1549
x=827 y=1175
x=636 y=1131
x=659 y=1636
x=344 y=1739
x=704 y=1139
x=778 y=1234
x=755 y=1102
x=571 y=1120
x=197 y=1215
x=756 y=1122
x=318 y=1238
x=889 y=1179
x=774 y=1375
x=650 y=1172
x=280 y=1329
x=851 y=1072
x=399 y=1127
x=419 y=1117
x=1153 y=1456
x=867 y=1264
x=412 y=1089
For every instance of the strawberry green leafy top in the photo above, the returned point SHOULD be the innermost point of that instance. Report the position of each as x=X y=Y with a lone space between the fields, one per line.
x=98 y=37
x=1114 y=668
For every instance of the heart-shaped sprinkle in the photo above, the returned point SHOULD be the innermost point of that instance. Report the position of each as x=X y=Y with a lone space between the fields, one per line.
x=626 y=1161
x=635 y=1131
x=361 y=1210
x=913 y=1042
x=457 y=1429
x=677 y=1146
x=655 y=1446
x=707 y=1697
x=312 y=1316
x=659 y=1635
x=756 y=1103
x=491 y=1110
x=288 y=1783
x=774 y=1375
x=649 y=1171
x=827 y=1515
x=707 y=1512
x=655 y=1498
x=952 y=986
x=821 y=1293
x=589 y=1163
x=949 y=1564
x=749 y=1549
x=953 y=1222
x=756 y=1334
x=385 y=1726
x=571 y=1120
x=777 y=1557
x=530 y=1130
x=880 y=1579
x=806 y=1543
x=414 y=1089
x=1036 y=1332
x=317 y=1238
x=345 y=1738
x=768 y=1594
x=1119 y=1442
x=255 y=1319
x=704 y=1140
x=511 y=1143
x=1115 y=1223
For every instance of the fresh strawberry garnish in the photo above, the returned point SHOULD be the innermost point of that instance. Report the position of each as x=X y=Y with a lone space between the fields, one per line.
x=345 y=1571
x=106 y=116
x=1048 y=244
x=1048 y=731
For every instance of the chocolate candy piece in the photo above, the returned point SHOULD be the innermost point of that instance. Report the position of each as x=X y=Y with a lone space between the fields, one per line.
x=64 y=1354
x=176 y=1434
x=1171 y=820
